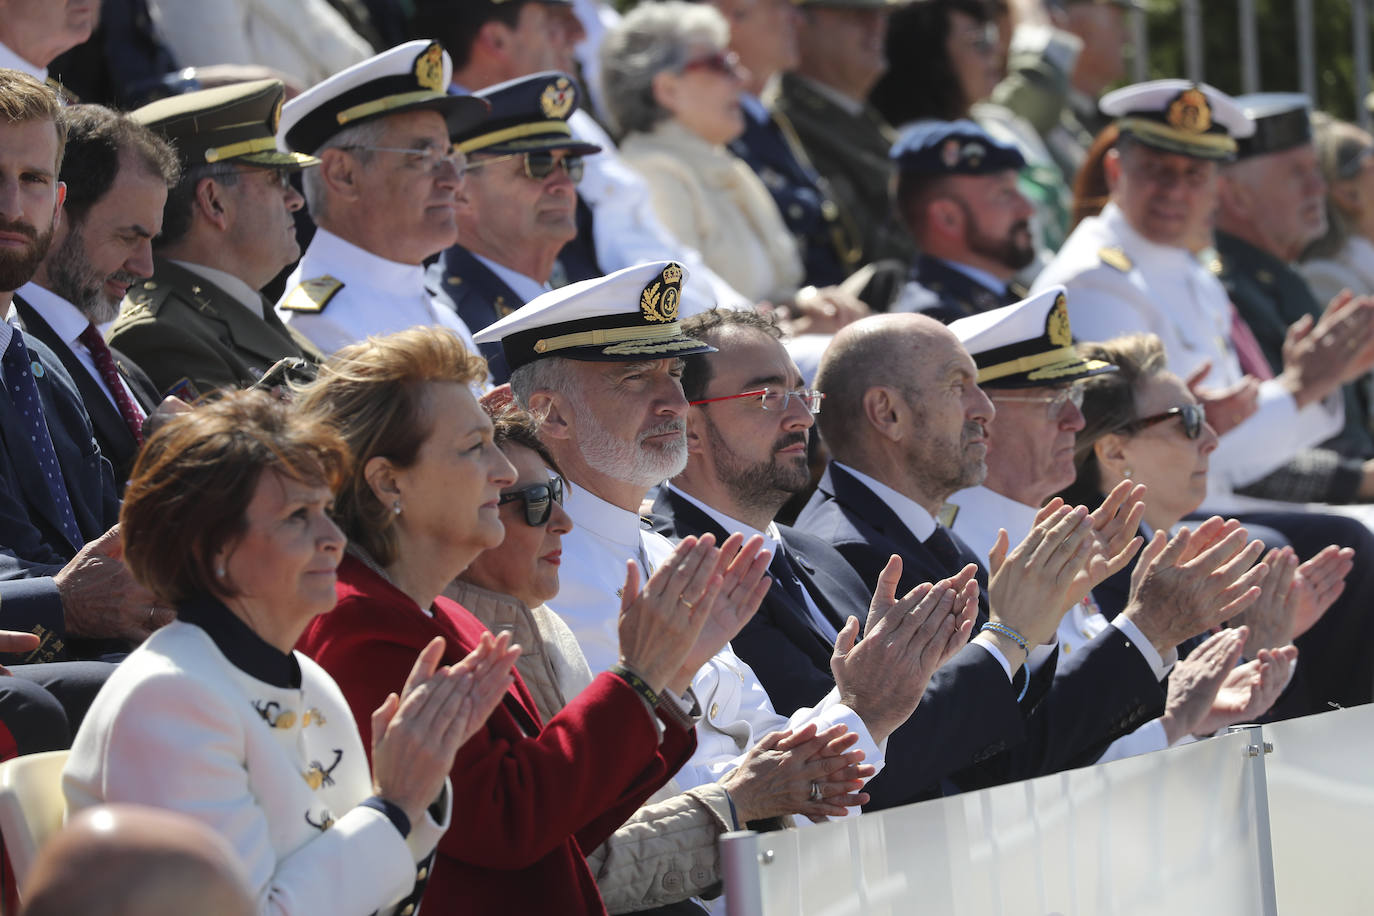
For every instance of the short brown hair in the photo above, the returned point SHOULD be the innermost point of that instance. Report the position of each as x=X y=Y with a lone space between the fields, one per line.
x=23 y=99
x=196 y=475
x=375 y=393
x=1109 y=403
x=98 y=137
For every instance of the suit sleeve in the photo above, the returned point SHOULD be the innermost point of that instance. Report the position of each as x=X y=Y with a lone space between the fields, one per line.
x=584 y=773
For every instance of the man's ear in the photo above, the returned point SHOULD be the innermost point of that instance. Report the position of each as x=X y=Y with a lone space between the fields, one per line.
x=1111 y=168
x=213 y=203
x=696 y=428
x=340 y=172
x=944 y=216
x=555 y=417
x=886 y=411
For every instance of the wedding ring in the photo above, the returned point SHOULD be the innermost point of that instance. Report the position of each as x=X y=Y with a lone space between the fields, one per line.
x=690 y=605
x=816 y=794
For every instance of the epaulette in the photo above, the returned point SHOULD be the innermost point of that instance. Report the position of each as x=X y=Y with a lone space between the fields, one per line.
x=147 y=296
x=312 y=295
x=1115 y=257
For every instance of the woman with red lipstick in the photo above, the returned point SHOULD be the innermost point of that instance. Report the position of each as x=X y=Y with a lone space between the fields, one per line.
x=424 y=499
x=227 y=519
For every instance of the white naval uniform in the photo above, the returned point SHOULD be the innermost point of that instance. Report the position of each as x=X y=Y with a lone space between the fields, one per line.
x=980 y=513
x=378 y=296
x=1165 y=290
x=736 y=711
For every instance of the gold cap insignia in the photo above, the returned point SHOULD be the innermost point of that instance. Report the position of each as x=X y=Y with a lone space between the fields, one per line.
x=1057 y=323
x=557 y=98
x=1190 y=112
x=974 y=153
x=429 y=68
x=949 y=153
x=659 y=300
x=275 y=118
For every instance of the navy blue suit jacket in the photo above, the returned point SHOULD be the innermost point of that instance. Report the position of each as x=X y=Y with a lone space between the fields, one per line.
x=960 y=295
x=966 y=721
x=829 y=252
x=1094 y=697
x=480 y=298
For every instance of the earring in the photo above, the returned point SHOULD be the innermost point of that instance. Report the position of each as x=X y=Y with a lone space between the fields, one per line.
x=219 y=572
x=1126 y=473
x=396 y=507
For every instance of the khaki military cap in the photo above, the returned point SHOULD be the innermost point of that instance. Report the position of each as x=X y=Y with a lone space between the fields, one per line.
x=235 y=123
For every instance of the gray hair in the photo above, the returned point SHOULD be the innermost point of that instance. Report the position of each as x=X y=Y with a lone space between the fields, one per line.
x=368 y=133
x=1340 y=147
x=651 y=39
x=552 y=373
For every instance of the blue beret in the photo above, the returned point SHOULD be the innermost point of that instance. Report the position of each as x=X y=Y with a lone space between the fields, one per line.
x=952 y=148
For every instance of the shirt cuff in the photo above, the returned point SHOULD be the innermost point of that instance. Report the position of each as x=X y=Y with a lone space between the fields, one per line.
x=1160 y=665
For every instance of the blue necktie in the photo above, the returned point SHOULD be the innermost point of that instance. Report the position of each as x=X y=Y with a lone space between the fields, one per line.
x=19 y=370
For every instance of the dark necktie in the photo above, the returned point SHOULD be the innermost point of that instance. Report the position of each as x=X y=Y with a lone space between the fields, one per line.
x=785 y=575
x=943 y=548
x=105 y=364
x=23 y=392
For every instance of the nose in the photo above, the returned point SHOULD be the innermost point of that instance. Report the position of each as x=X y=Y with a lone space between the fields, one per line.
x=293 y=199
x=671 y=401
x=559 y=520
x=1071 y=417
x=1207 y=439
x=446 y=175
x=140 y=261
x=981 y=408
x=797 y=415
x=501 y=472
x=330 y=536
x=10 y=205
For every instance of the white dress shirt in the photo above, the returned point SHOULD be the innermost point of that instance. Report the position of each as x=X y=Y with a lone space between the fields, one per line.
x=1168 y=292
x=524 y=287
x=736 y=711
x=981 y=513
x=772 y=541
x=378 y=296
x=68 y=323
x=12 y=61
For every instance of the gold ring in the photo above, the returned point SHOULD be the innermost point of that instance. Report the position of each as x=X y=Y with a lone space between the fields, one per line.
x=690 y=604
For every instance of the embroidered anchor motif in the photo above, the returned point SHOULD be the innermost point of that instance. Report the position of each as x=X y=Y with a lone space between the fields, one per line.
x=326 y=821
x=318 y=775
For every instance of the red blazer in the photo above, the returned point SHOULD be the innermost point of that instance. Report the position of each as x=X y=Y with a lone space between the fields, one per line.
x=528 y=797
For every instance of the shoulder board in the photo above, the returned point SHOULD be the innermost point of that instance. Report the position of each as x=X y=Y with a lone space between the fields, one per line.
x=1116 y=258
x=146 y=296
x=312 y=295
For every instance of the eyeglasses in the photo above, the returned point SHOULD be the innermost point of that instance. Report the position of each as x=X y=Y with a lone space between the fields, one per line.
x=538 y=499
x=426 y=158
x=1057 y=401
x=1194 y=416
x=1355 y=164
x=538 y=165
x=774 y=398
x=725 y=63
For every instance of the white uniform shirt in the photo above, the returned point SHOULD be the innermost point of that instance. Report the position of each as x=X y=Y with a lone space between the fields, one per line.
x=378 y=296
x=69 y=324
x=981 y=513
x=1166 y=291
x=736 y=711
x=12 y=61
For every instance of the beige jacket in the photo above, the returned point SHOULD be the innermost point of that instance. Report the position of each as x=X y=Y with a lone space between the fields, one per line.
x=668 y=851
x=712 y=201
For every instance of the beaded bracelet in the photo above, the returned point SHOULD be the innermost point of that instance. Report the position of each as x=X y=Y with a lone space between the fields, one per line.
x=637 y=683
x=1008 y=632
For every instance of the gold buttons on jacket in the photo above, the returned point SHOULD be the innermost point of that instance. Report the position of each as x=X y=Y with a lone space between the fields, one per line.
x=285 y=720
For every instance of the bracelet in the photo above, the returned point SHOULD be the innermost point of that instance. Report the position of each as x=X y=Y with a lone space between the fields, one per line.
x=637 y=683
x=677 y=709
x=1009 y=633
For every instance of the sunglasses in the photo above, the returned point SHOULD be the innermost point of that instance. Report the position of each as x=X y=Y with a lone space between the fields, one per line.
x=1193 y=415
x=538 y=165
x=723 y=62
x=538 y=499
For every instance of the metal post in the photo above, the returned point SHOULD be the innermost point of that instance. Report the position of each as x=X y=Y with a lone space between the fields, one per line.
x=1192 y=40
x=1255 y=750
x=742 y=857
x=1249 y=47
x=1140 y=46
x=1359 y=22
x=1307 y=50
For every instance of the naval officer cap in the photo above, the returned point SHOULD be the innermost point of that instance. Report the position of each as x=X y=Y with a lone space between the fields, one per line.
x=235 y=123
x=1283 y=121
x=952 y=148
x=409 y=77
x=528 y=115
x=1026 y=345
x=1179 y=116
x=627 y=316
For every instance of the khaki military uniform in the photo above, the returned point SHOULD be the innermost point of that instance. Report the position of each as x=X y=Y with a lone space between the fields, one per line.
x=179 y=325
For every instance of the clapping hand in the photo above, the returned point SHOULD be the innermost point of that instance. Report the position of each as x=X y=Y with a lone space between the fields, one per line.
x=777 y=775
x=731 y=604
x=1318 y=583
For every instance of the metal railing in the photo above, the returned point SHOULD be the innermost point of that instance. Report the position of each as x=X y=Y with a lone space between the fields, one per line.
x=1247 y=31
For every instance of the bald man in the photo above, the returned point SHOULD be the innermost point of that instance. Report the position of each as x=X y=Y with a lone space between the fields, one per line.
x=130 y=860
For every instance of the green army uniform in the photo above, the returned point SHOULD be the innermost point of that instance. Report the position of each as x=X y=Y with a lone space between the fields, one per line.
x=182 y=326
x=851 y=152
x=1270 y=295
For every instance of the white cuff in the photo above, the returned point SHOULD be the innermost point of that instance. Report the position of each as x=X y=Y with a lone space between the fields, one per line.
x=1160 y=666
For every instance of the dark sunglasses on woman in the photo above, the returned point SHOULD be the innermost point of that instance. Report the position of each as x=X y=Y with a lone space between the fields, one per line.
x=1193 y=416
x=538 y=499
